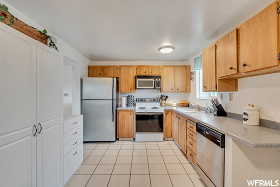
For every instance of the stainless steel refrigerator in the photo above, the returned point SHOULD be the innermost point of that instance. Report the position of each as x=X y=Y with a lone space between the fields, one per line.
x=99 y=109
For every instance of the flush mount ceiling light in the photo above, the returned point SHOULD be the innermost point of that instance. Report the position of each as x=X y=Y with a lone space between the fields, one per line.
x=166 y=49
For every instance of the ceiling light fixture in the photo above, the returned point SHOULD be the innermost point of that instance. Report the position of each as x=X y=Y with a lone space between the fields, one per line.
x=166 y=49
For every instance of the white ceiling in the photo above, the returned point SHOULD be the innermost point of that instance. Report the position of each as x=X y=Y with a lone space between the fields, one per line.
x=135 y=29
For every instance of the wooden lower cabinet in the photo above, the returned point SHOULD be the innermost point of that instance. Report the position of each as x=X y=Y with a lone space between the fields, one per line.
x=126 y=124
x=183 y=134
x=175 y=128
x=191 y=141
x=167 y=124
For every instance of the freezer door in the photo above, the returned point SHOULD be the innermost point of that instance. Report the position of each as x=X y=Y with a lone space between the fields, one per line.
x=99 y=124
x=98 y=88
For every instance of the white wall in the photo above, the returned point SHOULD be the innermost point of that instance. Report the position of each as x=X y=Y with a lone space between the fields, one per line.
x=64 y=48
x=78 y=60
x=264 y=91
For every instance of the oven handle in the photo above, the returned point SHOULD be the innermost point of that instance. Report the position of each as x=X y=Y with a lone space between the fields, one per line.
x=149 y=113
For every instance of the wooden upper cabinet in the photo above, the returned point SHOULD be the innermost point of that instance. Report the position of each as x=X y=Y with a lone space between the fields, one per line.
x=167 y=79
x=126 y=124
x=127 y=79
x=209 y=68
x=226 y=55
x=175 y=79
x=182 y=78
x=210 y=81
x=155 y=70
x=259 y=40
x=103 y=71
x=148 y=70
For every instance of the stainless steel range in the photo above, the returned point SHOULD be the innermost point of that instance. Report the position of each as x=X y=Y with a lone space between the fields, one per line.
x=149 y=119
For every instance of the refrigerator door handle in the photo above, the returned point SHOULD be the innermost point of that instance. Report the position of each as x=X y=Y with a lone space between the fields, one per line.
x=113 y=113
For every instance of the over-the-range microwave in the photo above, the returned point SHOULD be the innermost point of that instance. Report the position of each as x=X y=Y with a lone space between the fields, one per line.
x=147 y=82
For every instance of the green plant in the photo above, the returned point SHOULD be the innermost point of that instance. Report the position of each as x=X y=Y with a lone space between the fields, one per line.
x=51 y=40
x=4 y=8
x=12 y=19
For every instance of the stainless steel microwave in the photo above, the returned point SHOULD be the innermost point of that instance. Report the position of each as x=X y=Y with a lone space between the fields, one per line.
x=148 y=82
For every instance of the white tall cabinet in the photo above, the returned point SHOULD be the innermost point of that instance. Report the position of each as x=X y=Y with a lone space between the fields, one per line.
x=31 y=130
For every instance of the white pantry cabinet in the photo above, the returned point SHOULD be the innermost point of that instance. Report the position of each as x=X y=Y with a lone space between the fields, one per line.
x=50 y=84
x=73 y=145
x=30 y=112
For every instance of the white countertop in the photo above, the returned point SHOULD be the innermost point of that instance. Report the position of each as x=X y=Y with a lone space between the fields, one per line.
x=254 y=136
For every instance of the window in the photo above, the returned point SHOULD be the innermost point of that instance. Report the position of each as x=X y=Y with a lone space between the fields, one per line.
x=199 y=82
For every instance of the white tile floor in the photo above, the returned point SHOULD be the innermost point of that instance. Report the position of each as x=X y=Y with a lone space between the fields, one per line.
x=134 y=164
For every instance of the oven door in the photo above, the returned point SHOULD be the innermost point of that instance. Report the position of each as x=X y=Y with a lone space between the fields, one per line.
x=149 y=122
x=145 y=83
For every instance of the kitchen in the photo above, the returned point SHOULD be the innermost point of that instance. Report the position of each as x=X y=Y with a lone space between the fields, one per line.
x=133 y=99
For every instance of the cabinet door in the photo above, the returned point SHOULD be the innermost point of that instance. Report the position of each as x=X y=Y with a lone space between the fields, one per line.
x=142 y=70
x=127 y=79
x=226 y=54
x=95 y=71
x=167 y=126
x=167 y=79
x=50 y=84
x=182 y=78
x=183 y=134
x=175 y=125
x=155 y=70
x=126 y=124
x=209 y=68
x=259 y=40
x=17 y=109
x=108 y=71
x=49 y=154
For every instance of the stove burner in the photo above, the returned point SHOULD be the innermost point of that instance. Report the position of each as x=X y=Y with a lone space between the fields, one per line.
x=142 y=107
x=155 y=107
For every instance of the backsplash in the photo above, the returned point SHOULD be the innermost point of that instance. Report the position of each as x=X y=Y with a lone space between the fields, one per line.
x=147 y=93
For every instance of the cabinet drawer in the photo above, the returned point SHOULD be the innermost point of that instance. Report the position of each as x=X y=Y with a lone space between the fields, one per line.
x=191 y=134
x=71 y=145
x=72 y=162
x=72 y=134
x=72 y=123
x=191 y=144
x=191 y=127
x=191 y=156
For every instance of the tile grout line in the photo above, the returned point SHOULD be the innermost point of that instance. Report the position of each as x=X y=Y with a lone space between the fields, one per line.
x=184 y=167
x=113 y=169
x=167 y=170
x=131 y=165
x=95 y=167
x=148 y=166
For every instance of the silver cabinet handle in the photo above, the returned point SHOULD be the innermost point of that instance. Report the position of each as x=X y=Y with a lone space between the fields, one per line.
x=34 y=130
x=40 y=128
